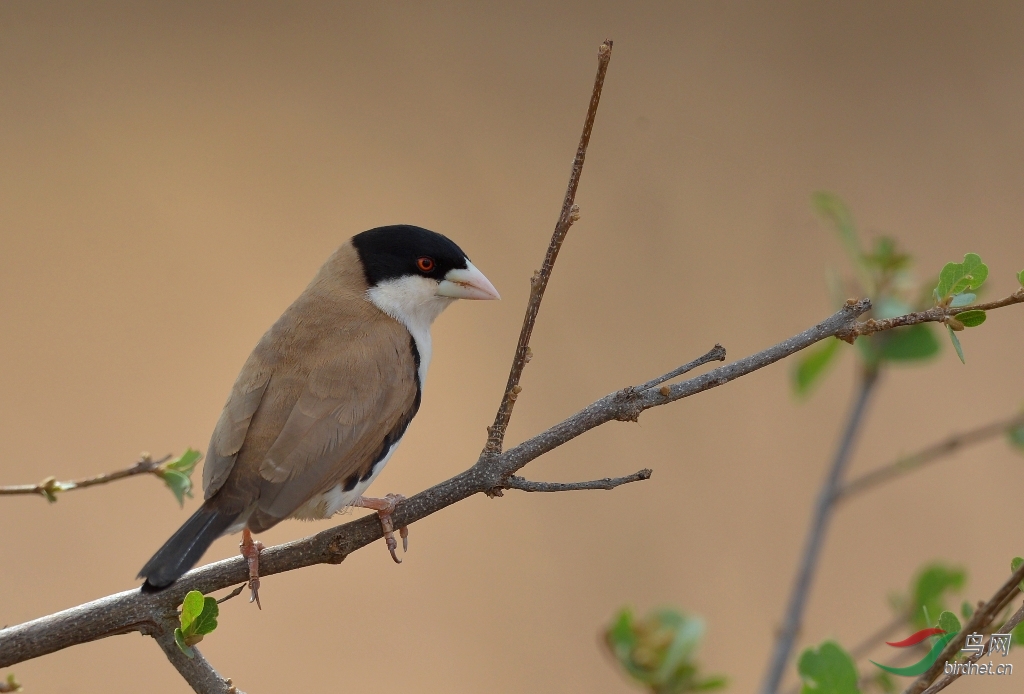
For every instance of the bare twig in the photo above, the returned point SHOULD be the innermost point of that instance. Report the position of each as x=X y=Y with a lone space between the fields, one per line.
x=133 y=610
x=515 y=482
x=927 y=455
x=822 y=514
x=981 y=619
x=938 y=314
x=539 y=282
x=235 y=593
x=51 y=485
x=717 y=353
x=1006 y=628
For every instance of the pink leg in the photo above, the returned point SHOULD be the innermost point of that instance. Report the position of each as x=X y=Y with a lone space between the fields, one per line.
x=251 y=549
x=384 y=508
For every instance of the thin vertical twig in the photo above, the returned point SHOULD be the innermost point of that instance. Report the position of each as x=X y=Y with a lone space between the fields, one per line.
x=816 y=536
x=539 y=282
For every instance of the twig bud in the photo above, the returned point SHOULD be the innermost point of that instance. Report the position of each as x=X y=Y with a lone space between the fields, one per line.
x=665 y=390
x=529 y=355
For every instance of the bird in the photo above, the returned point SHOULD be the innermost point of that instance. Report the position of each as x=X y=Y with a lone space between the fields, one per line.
x=326 y=396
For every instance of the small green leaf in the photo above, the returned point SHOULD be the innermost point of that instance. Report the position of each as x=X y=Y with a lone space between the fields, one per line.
x=962 y=299
x=966 y=610
x=971 y=319
x=1016 y=436
x=1014 y=565
x=179 y=639
x=185 y=463
x=206 y=622
x=1020 y=277
x=913 y=343
x=191 y=607
x=828 y=670
x=812 y=365
x=179 y=484
x=929 y=589
x=956 y=344
x=958 y=277
x=949 y=623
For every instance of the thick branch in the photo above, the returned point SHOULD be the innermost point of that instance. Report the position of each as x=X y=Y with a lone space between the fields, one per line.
x=539 y=282
x=515 y=482
x=134 y=611
x=51 y=485
x=980 y=620
x=927 y=455
x=938 y=314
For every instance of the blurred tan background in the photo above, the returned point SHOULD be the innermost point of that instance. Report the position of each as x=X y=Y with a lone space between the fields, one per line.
x=172 y=175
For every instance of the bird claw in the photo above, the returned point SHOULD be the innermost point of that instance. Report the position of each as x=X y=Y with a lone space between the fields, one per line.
x=384 y=508
x=250 y=549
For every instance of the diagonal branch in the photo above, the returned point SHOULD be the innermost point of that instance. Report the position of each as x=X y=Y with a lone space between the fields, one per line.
x=515 y=482
x=927 y=455
x=133 y=610
x=938 y=314
x=823 y=511
x=539 y=283
x=49 y=487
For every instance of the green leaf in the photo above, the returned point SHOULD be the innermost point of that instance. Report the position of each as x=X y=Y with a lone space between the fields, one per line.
x=185 y=463
x=962 y=299
x=948 y=622
x=1014 y=565
x=179 y=484
x=206 y=622
x=812 y=365
x=179 y=639
x=956 y=344
x=1020 y=277
x=1016 y=436
x=191 y=607
x=929 y=589
x=828 y=670
x=966 y=610
x=912 y=343
x=177 y=474
x=971 y=319
x=957 y=277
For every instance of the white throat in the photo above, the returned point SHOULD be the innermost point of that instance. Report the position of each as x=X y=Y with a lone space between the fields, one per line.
x=413 y=302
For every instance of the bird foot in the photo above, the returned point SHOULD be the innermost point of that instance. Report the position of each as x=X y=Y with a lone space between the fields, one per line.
x=250 y=549
x=384 y=508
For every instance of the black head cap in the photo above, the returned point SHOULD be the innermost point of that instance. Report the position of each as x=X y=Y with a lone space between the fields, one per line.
x=397 y=251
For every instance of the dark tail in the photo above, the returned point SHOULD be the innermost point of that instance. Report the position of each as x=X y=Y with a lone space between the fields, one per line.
x=184 y=549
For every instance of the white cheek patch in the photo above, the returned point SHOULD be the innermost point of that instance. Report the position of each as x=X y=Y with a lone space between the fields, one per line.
x=413 y=302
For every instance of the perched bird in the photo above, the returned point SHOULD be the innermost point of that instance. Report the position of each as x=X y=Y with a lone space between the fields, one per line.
x=326 y=396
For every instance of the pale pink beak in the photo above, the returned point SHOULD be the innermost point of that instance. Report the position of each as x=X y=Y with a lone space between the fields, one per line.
x=469 y=283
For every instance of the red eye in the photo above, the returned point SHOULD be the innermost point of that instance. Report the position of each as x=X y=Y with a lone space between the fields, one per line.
x=425 y=264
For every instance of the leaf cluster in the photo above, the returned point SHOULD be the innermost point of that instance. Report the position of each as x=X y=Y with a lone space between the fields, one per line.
x=658 y=650
x=177 y=474
x=881 y=273
x=198 y=618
